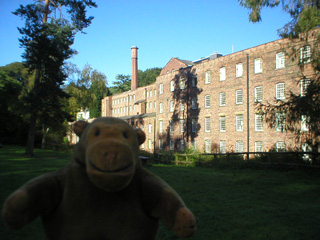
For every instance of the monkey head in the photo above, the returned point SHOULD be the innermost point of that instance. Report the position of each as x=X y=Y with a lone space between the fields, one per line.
x=109 y=149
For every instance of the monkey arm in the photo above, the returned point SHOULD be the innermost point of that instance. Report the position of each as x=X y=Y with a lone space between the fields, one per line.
x=164 y=203
x=37 y=197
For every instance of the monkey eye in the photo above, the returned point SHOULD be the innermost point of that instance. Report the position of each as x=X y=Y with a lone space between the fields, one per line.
x=125 y=135
x=97 y=133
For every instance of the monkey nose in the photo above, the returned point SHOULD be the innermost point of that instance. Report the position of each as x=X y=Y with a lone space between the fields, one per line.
x=110 y=156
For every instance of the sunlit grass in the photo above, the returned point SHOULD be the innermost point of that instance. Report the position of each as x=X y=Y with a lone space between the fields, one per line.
x=229 y=203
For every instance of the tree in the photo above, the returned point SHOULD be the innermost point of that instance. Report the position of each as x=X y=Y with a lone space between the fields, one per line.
x=47 y=40
x=122 y=84
x=300 y=108
x=87 y=88
x=148 y=76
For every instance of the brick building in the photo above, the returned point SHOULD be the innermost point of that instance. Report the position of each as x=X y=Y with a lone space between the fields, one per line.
x=210 y=103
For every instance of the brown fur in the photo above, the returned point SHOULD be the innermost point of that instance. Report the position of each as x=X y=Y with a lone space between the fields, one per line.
x=104 y=193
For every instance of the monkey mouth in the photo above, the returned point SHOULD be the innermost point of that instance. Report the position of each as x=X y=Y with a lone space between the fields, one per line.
x=120 y=169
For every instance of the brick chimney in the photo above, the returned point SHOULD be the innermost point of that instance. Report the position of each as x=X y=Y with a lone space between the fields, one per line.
x=134 y=72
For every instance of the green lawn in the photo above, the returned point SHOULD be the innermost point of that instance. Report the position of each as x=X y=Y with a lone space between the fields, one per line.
x=228 y=203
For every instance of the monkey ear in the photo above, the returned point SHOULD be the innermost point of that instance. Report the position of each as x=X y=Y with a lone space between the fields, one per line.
x=79 y=127
x=141 y=135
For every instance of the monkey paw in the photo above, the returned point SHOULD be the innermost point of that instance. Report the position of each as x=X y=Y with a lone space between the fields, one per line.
x=185 y=223
x=14 y=213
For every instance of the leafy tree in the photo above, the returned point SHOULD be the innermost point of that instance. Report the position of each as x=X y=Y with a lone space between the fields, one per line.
x=122 y=84
x=47 y=40
x=87 y=88
x=148 y=76
x=305 y=17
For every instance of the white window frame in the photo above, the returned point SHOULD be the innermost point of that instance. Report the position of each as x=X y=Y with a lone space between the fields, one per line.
x=239 y=123
x=172 y=86
x=194 y=124
x=182 y=145
x=239 y=96
x=305 y=54
x=160 y=126
x=171 y=126
x=222 y=99
x=207 y=77
x=194 y=81
x=280 y=60
x=161 y=88
x=160 y=144
x=304 y=123
x=258 y=65
x=304 y=83
x=182 y=83
x=194 y=103
x=258 y=94
x=280 y=146
x=223 y=146
x=258 y=146
x=171 y=106
x=161 y=107
x=239 y=69
x=280 y=91
x=150 y=128
x=280 y=122
x=182 y=106
x=223 y=123
x=207 y=146
x=182 y=125
x=207 y=124
x=258 y=122
x=222 y=73
x=171 y=142
x=207 y=101
x=239 y=146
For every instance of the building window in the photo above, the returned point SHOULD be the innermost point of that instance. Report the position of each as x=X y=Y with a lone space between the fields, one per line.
x=207 y=77
x=222 y=120
x=280 y=122
x=172 y=127
x=181 y=145
x=304 y=83
x=155 y=92
x=207 y=122
x=172 y=86
x=194 y=124
x=258 y=123
x=161 y=88
x=181 y=105
x=239 y=123
x=150 y=144
x=280 y=91
x=150 y=93
x=304 y=123
x=258 y=146
x=182 y=125
x=171 y=106
x=160 y=126
x=223 y=147
x=171 y=144
x=194 y=103
x=207 y=101
x=207 y=146
x=258 y=94
x=239 y=146
x=280 y=60
x=160 y=144
x=239 y=70
x=194 y=81
x=222 y=97
x=182 y=83
x=150 y=128
x=239 y=98
x=258 y=65
x=280 y=147
x=305 y=54
x=222 y=74
x=161 y=107
x=194 y=144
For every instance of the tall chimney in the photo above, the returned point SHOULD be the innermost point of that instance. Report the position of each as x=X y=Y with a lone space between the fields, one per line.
x=134 y=72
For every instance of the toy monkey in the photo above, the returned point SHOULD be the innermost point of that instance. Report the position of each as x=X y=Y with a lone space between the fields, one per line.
x=103 y=193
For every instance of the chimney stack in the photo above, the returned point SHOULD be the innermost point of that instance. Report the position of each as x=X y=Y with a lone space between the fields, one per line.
x=134 y=72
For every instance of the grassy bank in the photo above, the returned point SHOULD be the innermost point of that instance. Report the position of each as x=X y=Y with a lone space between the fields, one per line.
x=228 y=203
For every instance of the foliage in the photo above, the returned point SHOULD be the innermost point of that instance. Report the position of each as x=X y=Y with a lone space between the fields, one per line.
x=148 y=76
x=87 y=88
x=47 y=46
x=122 y=84
x=305 y=18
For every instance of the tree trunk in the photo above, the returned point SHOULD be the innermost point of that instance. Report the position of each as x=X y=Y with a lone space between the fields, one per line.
x=31 y=136
x=44 y=135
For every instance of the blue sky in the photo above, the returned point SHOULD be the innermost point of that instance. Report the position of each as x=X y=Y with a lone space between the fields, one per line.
x=161 y=29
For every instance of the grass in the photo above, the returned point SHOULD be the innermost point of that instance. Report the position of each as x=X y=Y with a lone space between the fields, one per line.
x=229 y=203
